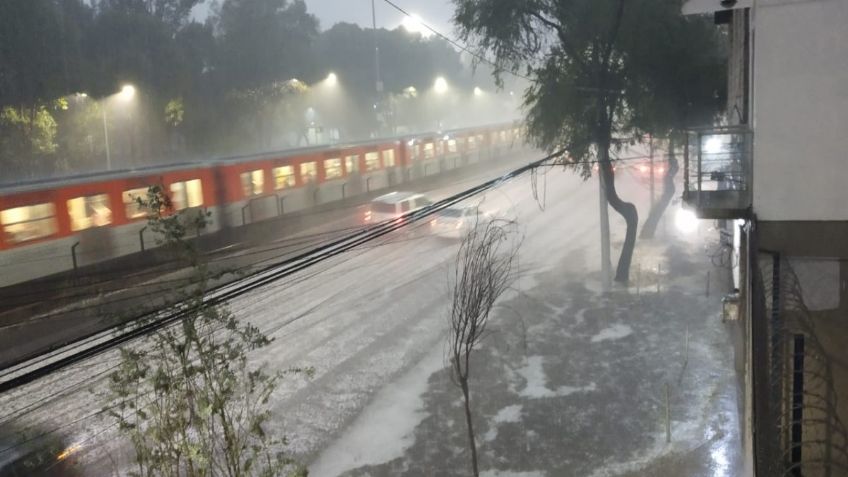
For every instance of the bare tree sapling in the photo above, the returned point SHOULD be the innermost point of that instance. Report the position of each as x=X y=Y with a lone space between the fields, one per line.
x=484 y=270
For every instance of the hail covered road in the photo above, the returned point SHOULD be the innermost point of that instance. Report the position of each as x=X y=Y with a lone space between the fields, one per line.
x=370 y=321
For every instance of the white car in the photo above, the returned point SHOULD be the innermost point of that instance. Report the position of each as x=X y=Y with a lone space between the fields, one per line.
x=455 y=221
x=393 y=205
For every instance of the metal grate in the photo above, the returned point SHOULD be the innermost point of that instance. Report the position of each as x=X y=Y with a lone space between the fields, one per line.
x=799 y=429
x=718 y=170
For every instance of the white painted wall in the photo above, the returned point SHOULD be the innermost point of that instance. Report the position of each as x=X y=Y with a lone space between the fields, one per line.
x=800 y=94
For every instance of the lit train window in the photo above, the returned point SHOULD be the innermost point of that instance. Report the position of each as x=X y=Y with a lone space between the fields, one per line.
x=134 y=209
x=429 y=151
x=389 y=158
x=333 y=168
x=352 y=164
x=252 y=182
x=89 y=211
x=283 y=177
x=186 y=194
x=28 y=223
x=472 y=142
x=372 y=161
x=452 y=145
x=308 y=172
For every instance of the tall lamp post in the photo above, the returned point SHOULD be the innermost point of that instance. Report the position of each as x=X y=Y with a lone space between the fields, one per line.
x=106 y=138
x=440 y=87
x=378 y=79
x=126 y=94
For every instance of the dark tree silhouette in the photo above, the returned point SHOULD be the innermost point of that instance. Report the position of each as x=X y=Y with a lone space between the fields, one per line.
x=584 y=59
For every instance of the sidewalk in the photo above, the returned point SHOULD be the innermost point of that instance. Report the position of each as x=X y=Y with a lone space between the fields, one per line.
x=572 y=382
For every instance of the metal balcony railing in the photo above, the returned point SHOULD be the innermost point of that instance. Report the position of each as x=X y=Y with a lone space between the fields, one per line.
x=718 y=171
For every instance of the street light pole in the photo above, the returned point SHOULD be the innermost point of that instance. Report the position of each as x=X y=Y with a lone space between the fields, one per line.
x=378 y=82
x=106 y=137
x=652 y=168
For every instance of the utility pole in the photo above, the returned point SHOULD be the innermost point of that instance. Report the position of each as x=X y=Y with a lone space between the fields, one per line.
x=651 y=142
x=606 y=268
x=378 y=79
x=106 y=139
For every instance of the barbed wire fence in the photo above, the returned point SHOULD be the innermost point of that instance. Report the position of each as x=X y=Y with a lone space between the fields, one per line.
x=803 y=434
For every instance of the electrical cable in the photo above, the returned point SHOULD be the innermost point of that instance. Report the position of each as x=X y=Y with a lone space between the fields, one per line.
x=455 y=43
x=273 y=329
x=263 y=277
x=234 y=271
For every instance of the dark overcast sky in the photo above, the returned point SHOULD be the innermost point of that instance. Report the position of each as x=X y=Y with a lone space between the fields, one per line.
x=436 y=13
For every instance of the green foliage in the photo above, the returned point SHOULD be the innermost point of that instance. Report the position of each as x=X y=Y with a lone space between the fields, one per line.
x=189 y=401
x=79 y=133
x=602 y=72
x=129 y=45
x=36 y=126
x=405 y=60
x=601 y=69
x=262 y=41
x=40 y=50
x=172 y=13
x=174 y=112
x=215 y=88
x=27 y=135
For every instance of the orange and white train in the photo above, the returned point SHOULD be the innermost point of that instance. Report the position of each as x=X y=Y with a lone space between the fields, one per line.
x=55 y=225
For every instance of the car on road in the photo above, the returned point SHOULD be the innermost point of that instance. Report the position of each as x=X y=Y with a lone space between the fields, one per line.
x=455 y=221
x=393 y=205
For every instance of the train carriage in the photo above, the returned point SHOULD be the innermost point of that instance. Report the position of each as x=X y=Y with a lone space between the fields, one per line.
x=57 y=225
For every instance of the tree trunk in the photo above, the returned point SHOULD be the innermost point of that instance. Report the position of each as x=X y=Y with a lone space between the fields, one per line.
x=626 y=210
x=649 y=228
x=606 y=263
x=471 y=442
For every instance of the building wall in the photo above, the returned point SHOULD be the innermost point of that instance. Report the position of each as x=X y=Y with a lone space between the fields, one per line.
x=800 y=94
x=811 y=296
x=737 y=71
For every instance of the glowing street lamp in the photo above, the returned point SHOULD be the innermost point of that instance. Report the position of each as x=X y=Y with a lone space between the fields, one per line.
x=441 y=85
x=332 y=79
x=686 y=221
x=477 y=91
x=127 y=92
x=415 y=25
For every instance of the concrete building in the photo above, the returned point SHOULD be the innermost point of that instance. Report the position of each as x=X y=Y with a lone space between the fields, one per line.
x=776 y=174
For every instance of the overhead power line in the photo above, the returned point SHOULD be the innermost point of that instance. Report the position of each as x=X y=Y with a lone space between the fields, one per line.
x=273 y=329
x=30 y=372
x=453 y=42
